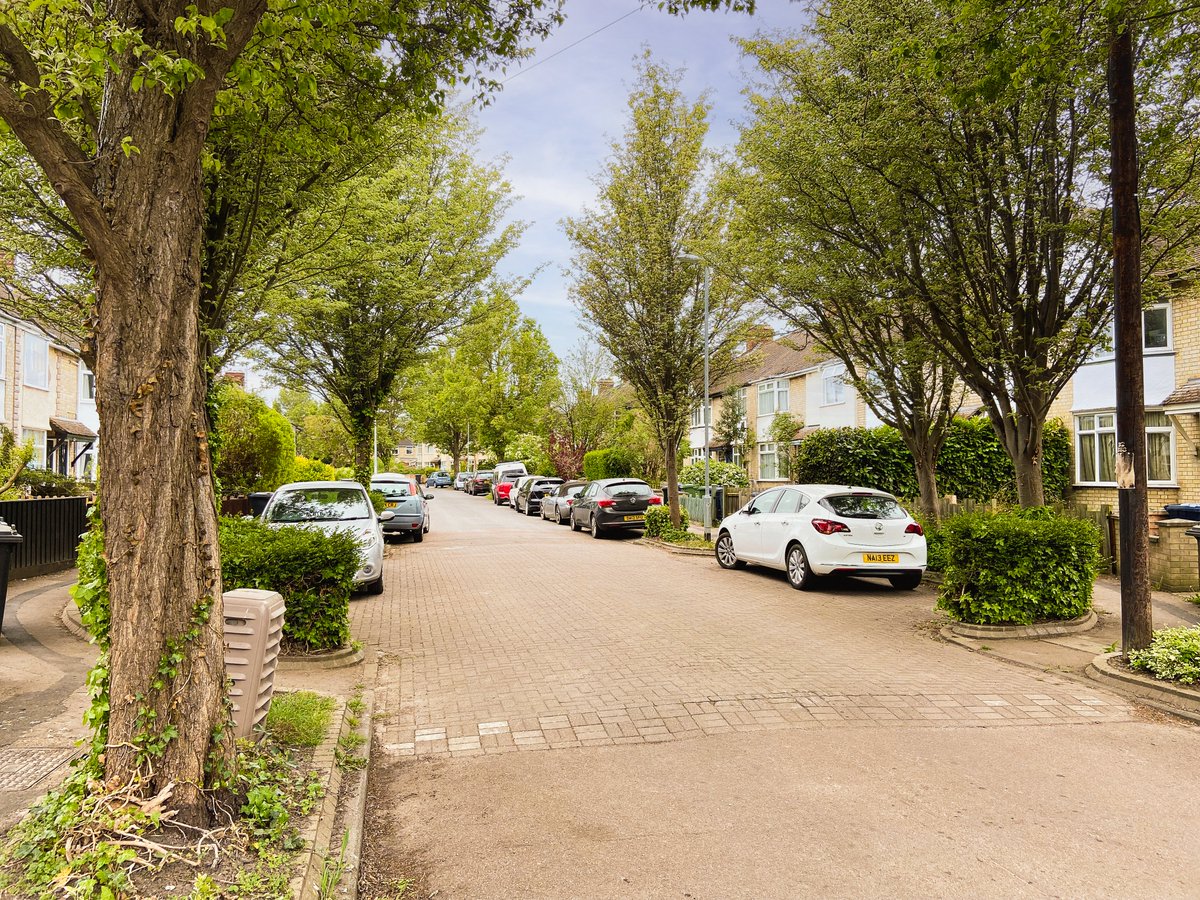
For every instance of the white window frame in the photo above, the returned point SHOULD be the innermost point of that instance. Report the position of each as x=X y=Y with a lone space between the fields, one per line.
x=86 y=375
x=1106 y=354
x=1097 y=430
x=768 y=450
x=833 y=387
x=38 y=436
x=29 y=343
x=776 y=392
x=698 y=415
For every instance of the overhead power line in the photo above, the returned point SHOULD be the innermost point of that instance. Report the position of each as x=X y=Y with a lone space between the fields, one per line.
x=590 y=34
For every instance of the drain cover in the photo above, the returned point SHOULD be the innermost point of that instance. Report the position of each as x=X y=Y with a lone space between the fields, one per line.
x=21 y=768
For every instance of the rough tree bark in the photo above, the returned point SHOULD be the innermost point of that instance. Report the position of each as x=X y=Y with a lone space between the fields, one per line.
x=140 y=211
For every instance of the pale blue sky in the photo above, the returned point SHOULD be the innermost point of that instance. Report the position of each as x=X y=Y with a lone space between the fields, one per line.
x=555 y=122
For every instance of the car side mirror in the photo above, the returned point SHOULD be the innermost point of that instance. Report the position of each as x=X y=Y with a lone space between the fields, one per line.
x=751 y=511
x=387 y=515
x=429 y=496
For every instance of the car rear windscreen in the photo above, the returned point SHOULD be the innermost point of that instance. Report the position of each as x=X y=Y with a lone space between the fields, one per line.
x=863 y=506
x=629 y=489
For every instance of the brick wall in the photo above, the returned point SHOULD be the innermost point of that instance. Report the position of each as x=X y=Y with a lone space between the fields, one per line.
x=1174 y=565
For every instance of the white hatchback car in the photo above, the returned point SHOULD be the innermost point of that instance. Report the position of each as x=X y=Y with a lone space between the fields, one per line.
x=808 y=530
x=331 y=506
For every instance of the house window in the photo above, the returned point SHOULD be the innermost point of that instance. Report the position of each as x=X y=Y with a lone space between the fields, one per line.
x=1096 y=448
x=1156 y=331
x=39 y=446
x=698 y=416
x=36 y=362
x=768 y=463
x=772 y=397
x=1156 y=327
x=833 y=386
x=87 y=384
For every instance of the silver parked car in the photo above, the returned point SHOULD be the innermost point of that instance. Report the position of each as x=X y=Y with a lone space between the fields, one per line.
x=331 y=506
x=556 y=506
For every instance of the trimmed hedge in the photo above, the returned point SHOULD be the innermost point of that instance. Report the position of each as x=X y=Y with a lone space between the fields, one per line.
x=1017 y=567
x=615 y=462
x=313 y=571
x=972 y=464
x=723 y=474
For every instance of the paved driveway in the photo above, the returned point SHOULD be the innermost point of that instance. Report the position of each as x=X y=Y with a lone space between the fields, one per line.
x=501 y=635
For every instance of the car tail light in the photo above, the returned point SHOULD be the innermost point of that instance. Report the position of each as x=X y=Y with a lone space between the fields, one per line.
x=570 y=501
x=914 y=528
x=604 y=504
x=827 y=527
x=655 y=501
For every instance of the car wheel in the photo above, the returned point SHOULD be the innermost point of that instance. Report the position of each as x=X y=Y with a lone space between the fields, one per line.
x=909 y=581
x=528 y=511
x=418 y=536
x=800 y=576
x=726 y=557
x=595 y=528
x=376 y=586
x=575 y=526
x=558 y=515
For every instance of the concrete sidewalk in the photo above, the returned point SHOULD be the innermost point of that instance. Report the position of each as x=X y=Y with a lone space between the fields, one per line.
x=42 y=671
x=1070 y=654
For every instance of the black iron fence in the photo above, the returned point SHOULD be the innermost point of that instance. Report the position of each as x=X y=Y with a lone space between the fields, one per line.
x=51 y=528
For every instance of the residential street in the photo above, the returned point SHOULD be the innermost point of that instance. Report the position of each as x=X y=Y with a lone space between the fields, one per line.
x=706 y=733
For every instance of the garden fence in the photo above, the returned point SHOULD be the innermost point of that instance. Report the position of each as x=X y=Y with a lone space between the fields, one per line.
x=51 y=528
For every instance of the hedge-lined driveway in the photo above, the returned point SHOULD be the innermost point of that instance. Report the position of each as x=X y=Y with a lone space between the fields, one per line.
x=502 y=635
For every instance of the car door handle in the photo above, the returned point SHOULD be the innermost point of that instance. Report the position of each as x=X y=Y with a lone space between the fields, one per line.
x=784 y=522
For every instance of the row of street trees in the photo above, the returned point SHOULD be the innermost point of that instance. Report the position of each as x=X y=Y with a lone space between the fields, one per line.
x=154 y=138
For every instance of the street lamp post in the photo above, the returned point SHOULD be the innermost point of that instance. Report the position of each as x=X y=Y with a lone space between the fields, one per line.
x=705 y=405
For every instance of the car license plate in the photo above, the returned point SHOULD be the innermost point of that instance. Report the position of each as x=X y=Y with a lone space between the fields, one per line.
x=392 y=504
x=635 y=518
x=881 y=558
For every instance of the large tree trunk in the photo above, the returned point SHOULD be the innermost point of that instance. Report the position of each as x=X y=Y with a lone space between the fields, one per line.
x=671 y=454
x=925 y=461
x=362 y=435
x=1021 y=437
x=168 y=696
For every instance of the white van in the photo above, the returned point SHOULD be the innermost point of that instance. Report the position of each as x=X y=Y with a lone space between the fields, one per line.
x=508 y=468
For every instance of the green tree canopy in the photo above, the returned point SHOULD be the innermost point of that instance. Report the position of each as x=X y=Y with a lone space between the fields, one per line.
x=256 y=443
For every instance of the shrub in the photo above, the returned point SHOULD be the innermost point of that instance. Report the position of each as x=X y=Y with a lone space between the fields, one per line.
x=719 y=473
x=255 y=445
x=935 y=542
x=972 y=464
x=44 y=483
x=658 y=524
x=615 y=462
x=1173 y=655
x=305 y=469
x=313 y=571
x=1018 y=566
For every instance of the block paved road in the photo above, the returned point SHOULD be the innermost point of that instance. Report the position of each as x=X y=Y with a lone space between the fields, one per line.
x=774 y=714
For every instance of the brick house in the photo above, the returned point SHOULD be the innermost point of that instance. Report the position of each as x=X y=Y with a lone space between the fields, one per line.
x=1171 y=363
x=48 y=397
x=785 y=375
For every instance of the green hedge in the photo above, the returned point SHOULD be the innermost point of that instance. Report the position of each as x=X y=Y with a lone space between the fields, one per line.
x=972 y=464
x=313 y=571
x=1018 y=566
x=719 y=473
x=615 y=462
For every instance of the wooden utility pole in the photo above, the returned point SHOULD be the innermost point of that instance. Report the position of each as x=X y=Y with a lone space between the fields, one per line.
x=1133 y=505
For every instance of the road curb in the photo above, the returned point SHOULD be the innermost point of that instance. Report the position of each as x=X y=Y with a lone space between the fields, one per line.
x=341 y=658
x=322 y=843
x=669 y=548
x=71 y=621
x=1085 y=622
x=1162 y=695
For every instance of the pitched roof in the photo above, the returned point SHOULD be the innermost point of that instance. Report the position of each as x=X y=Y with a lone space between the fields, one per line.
x=770 y=358
x=1187 y=395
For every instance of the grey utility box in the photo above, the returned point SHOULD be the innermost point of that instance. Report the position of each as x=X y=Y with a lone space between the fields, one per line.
x=253 y=633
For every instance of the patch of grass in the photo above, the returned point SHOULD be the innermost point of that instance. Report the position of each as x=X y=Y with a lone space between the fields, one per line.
x=1195 y=598
x=299 y=719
